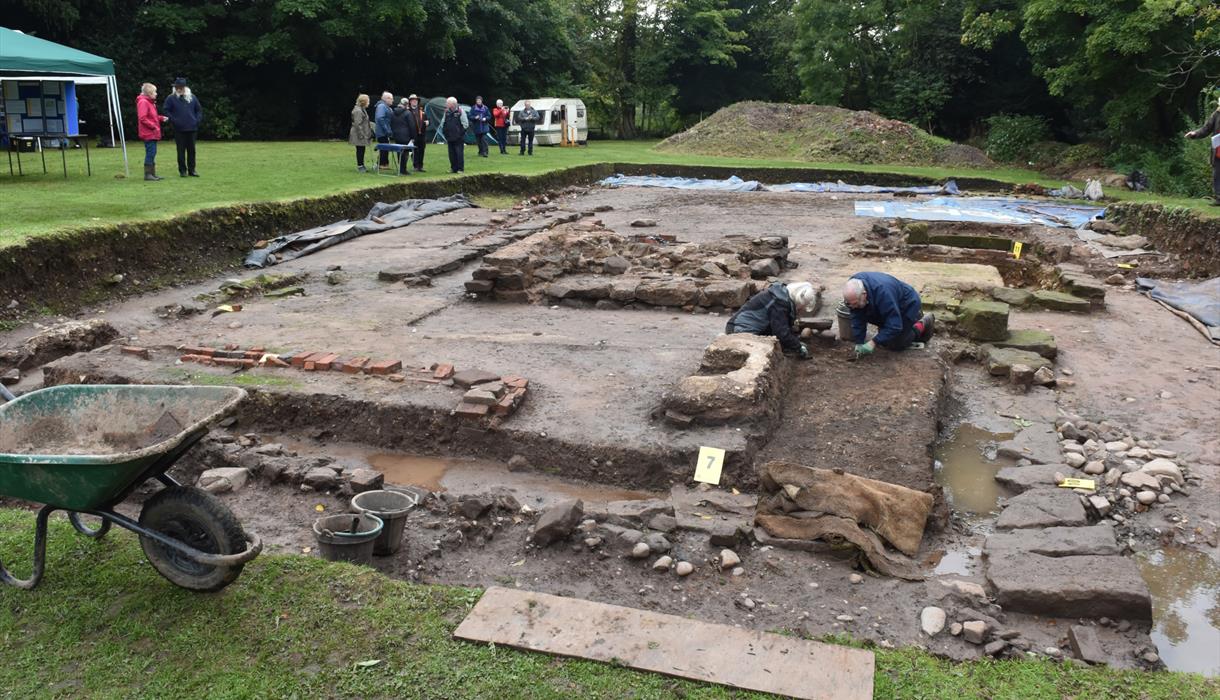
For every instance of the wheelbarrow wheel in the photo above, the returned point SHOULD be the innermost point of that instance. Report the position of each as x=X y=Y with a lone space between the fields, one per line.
x=198 y=519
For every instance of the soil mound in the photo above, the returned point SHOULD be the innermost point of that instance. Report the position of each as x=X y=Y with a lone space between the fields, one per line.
x=817 y=133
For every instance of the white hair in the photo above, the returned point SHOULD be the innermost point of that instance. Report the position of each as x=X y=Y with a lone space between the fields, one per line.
x=802 y=295
x=388 y=94
x=450 y=100
x=499 y=103
x=853 y=289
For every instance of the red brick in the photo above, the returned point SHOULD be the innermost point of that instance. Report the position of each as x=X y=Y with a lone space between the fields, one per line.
x=298 y=360
x=354 y=366
x=471 y=410
x=384 y=367
x=324 y=362
x=506 y=405
x=193 y=358
x=252 y=355
x=259 y=350
x=426 y=380
x=135 y=351
x=192 y=350
x=444 y=371
x=516 y=382
x=309 y=366
x=336 y=365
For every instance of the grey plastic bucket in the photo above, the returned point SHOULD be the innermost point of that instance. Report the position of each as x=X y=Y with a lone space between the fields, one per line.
x=844 y=315
x=392 y=507
x=347 y=537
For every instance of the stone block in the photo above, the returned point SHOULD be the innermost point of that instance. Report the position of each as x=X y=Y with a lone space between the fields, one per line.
x=366 y=480
x=1073 y=586
x=223 y=479
x=983 y=320
x=1035 y=341
x=670 y=292
x=1042 y=508
x=1012 y=296
x=1060 y=301
x=730 y=294
x=739 y=374
x=1096 y=540
x=1001 y=360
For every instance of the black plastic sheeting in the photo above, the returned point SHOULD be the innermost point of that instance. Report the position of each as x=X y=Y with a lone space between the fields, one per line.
x=1200 y=300
x=396 y=215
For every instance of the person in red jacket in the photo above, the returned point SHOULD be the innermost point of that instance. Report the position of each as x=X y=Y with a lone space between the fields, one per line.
x=500 y=118
x=149 y=127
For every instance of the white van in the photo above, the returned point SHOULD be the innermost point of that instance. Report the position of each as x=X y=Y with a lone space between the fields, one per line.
x=556 y=113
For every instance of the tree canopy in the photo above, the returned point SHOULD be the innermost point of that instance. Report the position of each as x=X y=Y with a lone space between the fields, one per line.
x=1129 y=71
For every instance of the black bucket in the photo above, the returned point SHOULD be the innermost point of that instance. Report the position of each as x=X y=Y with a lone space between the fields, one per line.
x=392 y=508
x=347 y=537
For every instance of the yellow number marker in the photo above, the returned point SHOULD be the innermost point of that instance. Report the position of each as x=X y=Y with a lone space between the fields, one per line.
x=711 y=461
x=1016 y=249
x=1078 y=484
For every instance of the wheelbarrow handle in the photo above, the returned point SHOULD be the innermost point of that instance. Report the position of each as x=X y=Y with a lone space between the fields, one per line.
x=6 y=394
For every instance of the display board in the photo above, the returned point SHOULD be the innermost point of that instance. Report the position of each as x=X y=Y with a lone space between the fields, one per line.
x=39 y=107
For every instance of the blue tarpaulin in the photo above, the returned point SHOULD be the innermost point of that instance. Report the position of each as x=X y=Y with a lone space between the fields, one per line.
x=949 y=187
x=732 y=184
x=987 y=210
x=1199 y=300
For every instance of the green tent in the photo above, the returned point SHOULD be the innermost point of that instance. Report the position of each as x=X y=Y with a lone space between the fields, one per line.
x=25 y=57
x=22 y=52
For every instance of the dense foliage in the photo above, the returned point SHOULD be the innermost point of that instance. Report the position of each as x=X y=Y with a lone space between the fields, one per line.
x=1130 y=75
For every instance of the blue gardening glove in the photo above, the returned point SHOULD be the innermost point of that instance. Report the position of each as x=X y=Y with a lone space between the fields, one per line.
x=804 y=352
x=865 y=348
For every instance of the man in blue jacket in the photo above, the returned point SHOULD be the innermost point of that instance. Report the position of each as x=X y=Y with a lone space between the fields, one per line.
x=185 y=113
x=382 y=128
x=890 y=304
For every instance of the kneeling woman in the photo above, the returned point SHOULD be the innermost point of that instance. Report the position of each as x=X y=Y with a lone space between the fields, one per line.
x=773 y=312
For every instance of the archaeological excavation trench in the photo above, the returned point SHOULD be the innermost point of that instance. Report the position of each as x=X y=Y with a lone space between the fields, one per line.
x=500 y=364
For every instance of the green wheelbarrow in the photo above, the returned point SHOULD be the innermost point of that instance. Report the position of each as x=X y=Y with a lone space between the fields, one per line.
x=84 y=449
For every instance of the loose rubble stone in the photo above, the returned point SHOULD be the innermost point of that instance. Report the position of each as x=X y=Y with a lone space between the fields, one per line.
x=728 y=559
x=1086 y=646
x=1163 y=467
x=558 y=521
x=644 y=223
x=955 y=629
x=1074 y=460
x=641 y=551
x=1042 y=508
x=1001 y=360
x=1140 y=480
x=1101 y=504
x=321 y=478
x=995 y=648
x=657 y=542
x=969 y=589
x=366 y=480
x=1094 y=468
x=663 y=523
x=223 y=479
x=856 y=578
x=932 y=620
x=1044 y=377
x=663 y=564
x=684 y=568
x=974 y=631
x=632 y=513
x=1146 y=497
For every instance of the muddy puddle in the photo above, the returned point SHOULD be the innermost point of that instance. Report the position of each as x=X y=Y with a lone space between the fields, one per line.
x=1185 y=587
x=966 y=465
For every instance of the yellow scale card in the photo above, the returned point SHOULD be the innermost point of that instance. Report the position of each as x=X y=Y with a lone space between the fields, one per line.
x=711 y=462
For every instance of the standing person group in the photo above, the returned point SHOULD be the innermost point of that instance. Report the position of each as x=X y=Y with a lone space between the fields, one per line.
x=183 y=112
x=408 y=124
x=1211 y=128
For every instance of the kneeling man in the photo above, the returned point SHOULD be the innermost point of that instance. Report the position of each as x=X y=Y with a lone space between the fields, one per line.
x=890 y=304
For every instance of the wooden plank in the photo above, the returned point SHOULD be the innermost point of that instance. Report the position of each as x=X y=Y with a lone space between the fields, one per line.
x=670 y=645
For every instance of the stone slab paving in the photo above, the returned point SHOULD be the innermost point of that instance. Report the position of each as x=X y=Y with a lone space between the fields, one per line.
x=1071 y=586
x=1042 y=508
x=1055 y=541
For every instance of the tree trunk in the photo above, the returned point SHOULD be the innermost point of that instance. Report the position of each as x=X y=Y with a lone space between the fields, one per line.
x=628 y=43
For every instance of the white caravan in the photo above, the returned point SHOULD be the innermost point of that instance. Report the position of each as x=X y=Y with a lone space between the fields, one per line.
x=557 y=113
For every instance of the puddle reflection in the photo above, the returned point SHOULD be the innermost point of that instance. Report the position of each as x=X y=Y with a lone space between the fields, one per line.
x=1185 y=587
x=966 y=465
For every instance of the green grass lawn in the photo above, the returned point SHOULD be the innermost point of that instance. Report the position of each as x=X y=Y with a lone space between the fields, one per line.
x=104 y=624
x=236 y=172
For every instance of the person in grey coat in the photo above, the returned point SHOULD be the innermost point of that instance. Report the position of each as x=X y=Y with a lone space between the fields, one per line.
x=1210 y=128
x=528 y=120
x=361 y=133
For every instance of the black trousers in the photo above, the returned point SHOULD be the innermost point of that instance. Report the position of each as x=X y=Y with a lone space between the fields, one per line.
x=502 y=137
x=527 y=136
x=383 y=159
x=185 y=141
x=457 y=155
x=360 y=156
x=418 y=156
x=482 y=141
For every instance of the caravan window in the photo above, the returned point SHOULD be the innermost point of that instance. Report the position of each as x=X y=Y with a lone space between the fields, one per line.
x=580 y=112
